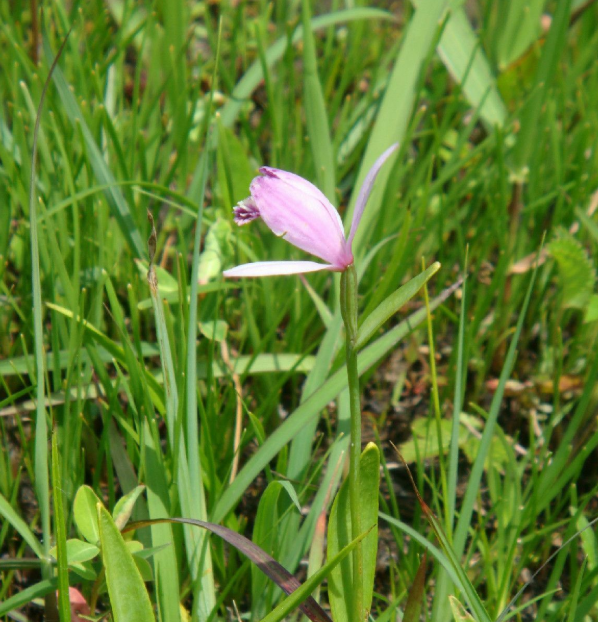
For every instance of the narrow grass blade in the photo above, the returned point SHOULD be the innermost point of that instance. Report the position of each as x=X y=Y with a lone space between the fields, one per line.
x=64 y=608
x=113 y=194
x=388 y=307
x=18 y=600
x=547 y=69
x=395 y=110
x=9 y=514
x=315 y=111
x=42 y=484
x=128 y=597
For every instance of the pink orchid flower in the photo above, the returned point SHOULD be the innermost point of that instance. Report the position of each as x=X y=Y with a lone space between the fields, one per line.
x=296 y=210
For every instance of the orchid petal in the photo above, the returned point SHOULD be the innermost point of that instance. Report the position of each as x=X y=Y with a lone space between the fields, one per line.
x=366 y=188
x=275 y=268
x=295 y=209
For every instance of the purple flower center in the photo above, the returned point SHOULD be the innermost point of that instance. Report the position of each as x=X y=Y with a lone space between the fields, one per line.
x=246 y=211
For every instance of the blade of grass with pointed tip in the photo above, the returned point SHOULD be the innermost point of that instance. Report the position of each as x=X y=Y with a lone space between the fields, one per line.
x=315 y=111
x=64 y=606
x=21 y=527
x=463 y=56
x=388 y=307
x=197 y=547
x=393 y=115
x=531 y=112
x=18 y=600
x=128 y=597
x=114 y=197
x=314 y=404
x=42 y=484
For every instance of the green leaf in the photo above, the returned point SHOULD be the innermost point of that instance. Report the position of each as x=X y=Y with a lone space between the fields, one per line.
x=388 y=307
x=339 y=535
x=459 y=612
x=395 y=110
x=218 y=247
x=214 y=331
x=21 y=526
x=128 y=597
x=78 y=551
x=591 y=309
x=124 y=507
x=472 y=596
x=86 y=514
x=577 y=275
x=167 y=284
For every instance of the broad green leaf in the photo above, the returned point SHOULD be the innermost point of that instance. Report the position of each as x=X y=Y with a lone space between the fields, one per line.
x=214 y=331
x=577 y=275
x=388 y=307
x=218 y=248
x=78 y=551
x=521 y=27
x=339 y=535
x=592 y=309
x=167 y=284
x=266 y=536
x=128 y=597
x=86 y=514
x=124 y=507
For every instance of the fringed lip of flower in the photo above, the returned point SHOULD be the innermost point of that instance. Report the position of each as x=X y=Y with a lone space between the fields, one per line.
x=293 y=208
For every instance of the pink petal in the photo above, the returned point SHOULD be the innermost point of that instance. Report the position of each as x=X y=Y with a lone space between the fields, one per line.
x=275 y=268
x=366 y=188
x=296 y=210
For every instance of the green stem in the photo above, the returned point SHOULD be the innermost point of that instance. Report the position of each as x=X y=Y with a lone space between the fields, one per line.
x=349 y=313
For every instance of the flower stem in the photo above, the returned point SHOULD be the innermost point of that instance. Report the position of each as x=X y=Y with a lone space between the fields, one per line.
x=348 y=301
